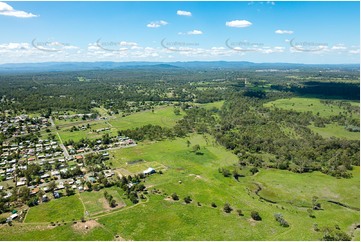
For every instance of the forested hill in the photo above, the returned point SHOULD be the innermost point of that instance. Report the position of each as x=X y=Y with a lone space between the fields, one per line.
x=79 y=66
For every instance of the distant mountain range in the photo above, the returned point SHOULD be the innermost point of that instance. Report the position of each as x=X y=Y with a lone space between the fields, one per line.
x=82 y=66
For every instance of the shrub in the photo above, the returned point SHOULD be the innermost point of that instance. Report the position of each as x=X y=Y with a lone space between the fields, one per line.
x=255 y=215
x=187 y=199
x=227 y=208
x=279 y=218
x=175 y=197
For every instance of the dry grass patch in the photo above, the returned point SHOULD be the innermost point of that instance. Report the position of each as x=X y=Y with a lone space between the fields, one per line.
x=85 y=227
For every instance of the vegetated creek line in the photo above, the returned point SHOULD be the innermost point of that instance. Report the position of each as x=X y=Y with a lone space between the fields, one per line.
x=259 y=188
x=343 y=205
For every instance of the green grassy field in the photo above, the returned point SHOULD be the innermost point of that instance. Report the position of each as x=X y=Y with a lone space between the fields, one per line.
x=163 y=116
x=95 y=202
x=160 y=218
x=315 y=106
x=334 y=130
x=307 y=104
x=218 y=105
x=88 y=133
x=66 y=208
x=201 y=180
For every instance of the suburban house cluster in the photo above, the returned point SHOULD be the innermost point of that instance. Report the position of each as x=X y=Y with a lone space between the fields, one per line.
x=46 y=167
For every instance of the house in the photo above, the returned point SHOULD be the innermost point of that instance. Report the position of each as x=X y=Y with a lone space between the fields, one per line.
x=69 y=181
x=20 y=183
x=45 y=176
x=45 y=198
x=60 y=186
x=13 y=216
x=108 y=173
x=8 y=195
x=56 y=195
x=55 y=173
x=79 y=157
x=149 y=171
x=34 y=191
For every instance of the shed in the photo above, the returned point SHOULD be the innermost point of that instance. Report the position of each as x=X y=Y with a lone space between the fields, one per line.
x=149 y=171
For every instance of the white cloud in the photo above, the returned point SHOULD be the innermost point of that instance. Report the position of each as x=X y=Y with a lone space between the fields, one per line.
x=278 y=31
x=338 y=47
x=238 y=23
x=7 y=10
x=125 y=43
x=157 y=24
x=193 y=32
x=14 y=46
x=354 y=51
x=184 y=13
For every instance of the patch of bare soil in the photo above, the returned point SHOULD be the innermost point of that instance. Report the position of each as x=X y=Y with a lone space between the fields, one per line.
x=85 y=227
x=104 y=203
x=169 y=199
x=252 y=222
x=118 y=238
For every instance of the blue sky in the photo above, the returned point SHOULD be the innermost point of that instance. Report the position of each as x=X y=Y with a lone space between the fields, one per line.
x=295 y=32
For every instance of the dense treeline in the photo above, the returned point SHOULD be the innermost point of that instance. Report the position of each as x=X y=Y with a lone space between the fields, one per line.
x=132 y=89
x=339 y=90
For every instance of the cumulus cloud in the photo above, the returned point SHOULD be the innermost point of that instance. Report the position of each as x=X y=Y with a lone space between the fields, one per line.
x=184 y=13
x=157 y=24
x=279 y=31
x=238 y=23
x=193 y=32
x=7 y=10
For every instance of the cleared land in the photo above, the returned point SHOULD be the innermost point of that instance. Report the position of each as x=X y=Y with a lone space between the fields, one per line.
x=334 y=130
x=65 y=208
x=95 y=201
x=218 y=105
x=200 y=179
x=163 y=116
x=313 y=105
